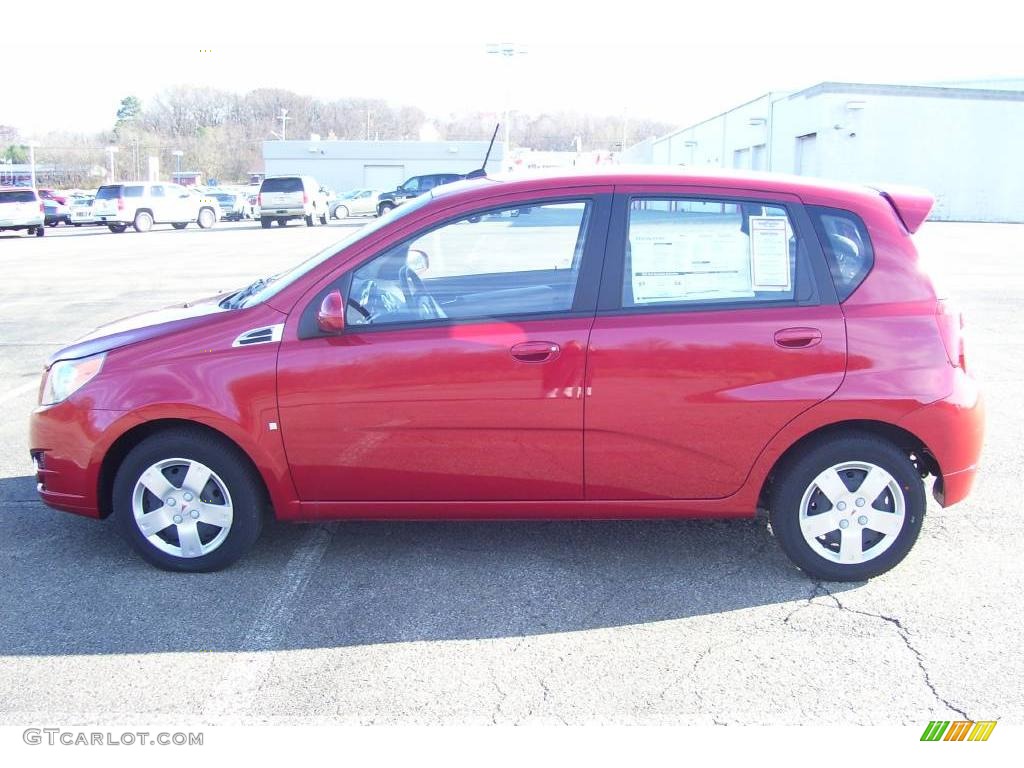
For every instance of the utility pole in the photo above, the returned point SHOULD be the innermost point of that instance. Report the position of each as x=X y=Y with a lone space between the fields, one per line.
x=112 y=150
x=32 y=160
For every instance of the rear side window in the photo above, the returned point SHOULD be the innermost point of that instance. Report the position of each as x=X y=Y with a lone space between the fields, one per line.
x=18 y=196
x=693 y=252
x=109 y=193
x=133 y=191
x=282 y=185
x=847 y=247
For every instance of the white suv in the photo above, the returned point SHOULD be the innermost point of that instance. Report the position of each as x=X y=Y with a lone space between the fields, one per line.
x=283 y=198
x=142 y=204
x=21 y=208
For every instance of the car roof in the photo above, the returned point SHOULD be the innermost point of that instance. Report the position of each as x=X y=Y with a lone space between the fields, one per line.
x=759 y=181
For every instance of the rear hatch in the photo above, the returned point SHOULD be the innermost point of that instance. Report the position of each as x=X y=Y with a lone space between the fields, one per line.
x=19 y=205
x=281 y=195
x=106 y=202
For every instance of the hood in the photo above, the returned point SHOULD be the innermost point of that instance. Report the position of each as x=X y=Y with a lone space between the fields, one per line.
x=147 y=325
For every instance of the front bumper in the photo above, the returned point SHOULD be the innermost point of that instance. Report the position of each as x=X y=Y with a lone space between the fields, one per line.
x=67 y=445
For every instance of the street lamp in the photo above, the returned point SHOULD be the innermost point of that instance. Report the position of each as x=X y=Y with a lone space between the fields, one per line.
x=507 y=51
x=112 y=150
x=32 y=160
x=178 y=155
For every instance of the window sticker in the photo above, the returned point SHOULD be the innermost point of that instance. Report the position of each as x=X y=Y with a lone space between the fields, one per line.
x=769 y=253
x=690 y=266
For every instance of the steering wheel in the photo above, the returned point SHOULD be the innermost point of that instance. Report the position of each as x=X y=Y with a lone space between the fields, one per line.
x=417 y=296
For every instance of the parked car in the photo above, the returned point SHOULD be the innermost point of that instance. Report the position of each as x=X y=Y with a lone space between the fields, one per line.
x=252 y=205
x=283 y=198
x=737 y=341
x=55 y=213
x=413 y=187
x=358 y=202
x=232 y=205
x=21 y=209
x=50 y=194
x=143 y=204
x=81 y=211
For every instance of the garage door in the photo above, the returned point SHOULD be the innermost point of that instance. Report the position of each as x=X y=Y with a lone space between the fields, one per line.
x=383 y=177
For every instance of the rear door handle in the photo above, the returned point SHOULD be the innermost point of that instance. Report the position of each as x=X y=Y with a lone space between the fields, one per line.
x=535 y=351
x=797 y=338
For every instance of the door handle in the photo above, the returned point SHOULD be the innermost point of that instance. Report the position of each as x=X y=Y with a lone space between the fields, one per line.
x=535 y=351
x=797 y=338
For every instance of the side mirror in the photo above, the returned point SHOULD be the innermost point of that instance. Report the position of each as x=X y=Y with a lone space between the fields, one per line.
x=417 y=260
x=331 y=317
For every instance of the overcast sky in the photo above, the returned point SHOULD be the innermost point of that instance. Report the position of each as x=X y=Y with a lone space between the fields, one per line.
x=672 y=61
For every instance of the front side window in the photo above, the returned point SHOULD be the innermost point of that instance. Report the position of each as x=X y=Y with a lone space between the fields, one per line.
x=693 y=252
x=412 y=185
x=511 y=261
x=156 y=191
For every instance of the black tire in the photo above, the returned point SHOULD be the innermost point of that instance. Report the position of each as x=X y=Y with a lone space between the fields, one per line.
x=265 y=222
x=798 y=472
x=248 y=498
x=207 y=218
x=117 y=229
x=383 y=208
x=40 y=231
x=143 y=221
x=338 y=212
x=311 y=220
x=323 y=219
x=52 y=223
x=180 y=224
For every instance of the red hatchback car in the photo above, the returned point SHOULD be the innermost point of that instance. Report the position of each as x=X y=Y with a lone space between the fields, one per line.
x=610 y=345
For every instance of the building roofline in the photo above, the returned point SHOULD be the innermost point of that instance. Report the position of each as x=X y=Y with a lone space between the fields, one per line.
x=881 y=89
x=875 y=89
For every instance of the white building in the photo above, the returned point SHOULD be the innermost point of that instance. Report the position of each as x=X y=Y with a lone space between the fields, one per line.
x=964 y=145
x=382 y=165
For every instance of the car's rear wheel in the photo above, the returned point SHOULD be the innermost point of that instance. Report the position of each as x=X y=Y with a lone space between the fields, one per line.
x=117 y=229
x=40 y=232
x=847 y=509
x=207 y=218
x=341 y=212
x=180 y=224
x=311 y=220
x=187 y=500
x=265 y=222
x=143 y=221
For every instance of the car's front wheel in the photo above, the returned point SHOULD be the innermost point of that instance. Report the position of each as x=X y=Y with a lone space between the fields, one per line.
x=187 y=500
x=847 y=509
x=341 y=212
x=207 y=218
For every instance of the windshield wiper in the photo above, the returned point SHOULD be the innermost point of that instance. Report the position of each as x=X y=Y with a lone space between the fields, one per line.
x=235 y=300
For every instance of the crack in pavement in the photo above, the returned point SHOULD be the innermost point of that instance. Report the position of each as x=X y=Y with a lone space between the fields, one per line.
x=821 y=590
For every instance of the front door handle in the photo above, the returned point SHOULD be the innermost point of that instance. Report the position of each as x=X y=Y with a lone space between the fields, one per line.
x=535 y=351
x=797 y=338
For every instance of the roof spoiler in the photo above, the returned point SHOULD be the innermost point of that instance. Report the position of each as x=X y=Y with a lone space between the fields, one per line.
x=911 y=204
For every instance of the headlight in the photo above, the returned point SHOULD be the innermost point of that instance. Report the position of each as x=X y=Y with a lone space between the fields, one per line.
x=66 y=377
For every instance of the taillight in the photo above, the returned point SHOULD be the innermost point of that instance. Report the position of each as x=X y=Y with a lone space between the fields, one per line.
x=951 y=328
x=305 y=199
x=42 y=208
x=120 y=203
x=259 y=199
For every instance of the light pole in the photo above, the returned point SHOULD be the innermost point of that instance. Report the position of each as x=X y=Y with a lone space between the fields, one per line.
x=178 y=155
x=507 y=51
x=283 y=117
x=32 y=160
x=112 y=150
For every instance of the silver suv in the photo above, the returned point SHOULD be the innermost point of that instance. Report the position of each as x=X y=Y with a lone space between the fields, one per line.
x=283 y=198
x=142 y=204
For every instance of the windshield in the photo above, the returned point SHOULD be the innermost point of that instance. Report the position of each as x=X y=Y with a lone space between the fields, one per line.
x=28 y=196
x=286 y=278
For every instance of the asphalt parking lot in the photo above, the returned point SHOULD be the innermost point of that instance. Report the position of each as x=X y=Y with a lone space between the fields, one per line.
x=638 y=622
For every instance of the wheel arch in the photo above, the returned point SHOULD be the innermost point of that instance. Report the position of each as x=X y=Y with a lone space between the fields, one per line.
x=123 y=445
x=902 y=438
